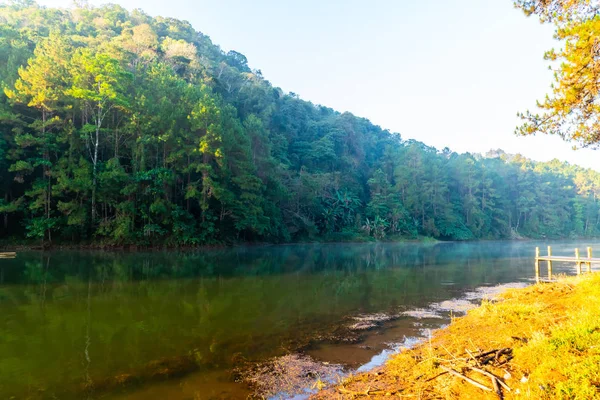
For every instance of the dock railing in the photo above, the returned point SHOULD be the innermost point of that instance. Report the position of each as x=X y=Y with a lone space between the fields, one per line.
x=577 y=260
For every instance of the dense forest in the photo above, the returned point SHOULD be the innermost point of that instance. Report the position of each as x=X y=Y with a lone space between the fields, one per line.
x=121 y=128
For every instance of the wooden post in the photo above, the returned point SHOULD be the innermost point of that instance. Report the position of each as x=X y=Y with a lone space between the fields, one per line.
x=589 y=263
x=549 y=263
x=537 y=264
x=578 y=262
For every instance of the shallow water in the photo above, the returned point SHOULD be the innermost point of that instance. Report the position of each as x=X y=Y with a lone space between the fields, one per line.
x=86 y=324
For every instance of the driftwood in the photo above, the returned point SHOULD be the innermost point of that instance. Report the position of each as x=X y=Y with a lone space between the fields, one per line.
x=491 y=376
x=494 y=355
x=474 y=363
x=479 y=360
x=466 y=378
x=472 y=356
x=487 y=353
x=497 y=388
x=437 y=376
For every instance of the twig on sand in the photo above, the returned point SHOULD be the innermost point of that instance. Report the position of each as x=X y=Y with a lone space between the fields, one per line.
x=494 y=355
x=491 y=376
x=472 y=356
x=466 y=378
x=497 y=388
x=451 y=355
x=502 y=351
x=487 y=353
x=437 y=376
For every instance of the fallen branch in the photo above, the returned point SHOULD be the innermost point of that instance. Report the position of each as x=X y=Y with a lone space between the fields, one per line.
x=494 y=355
x=487 y=353
x=492 y=376
x=504 y=361
x=472 y=356
x=466 y=378
x=506 y=351
x=437 y=376
x=497 y=388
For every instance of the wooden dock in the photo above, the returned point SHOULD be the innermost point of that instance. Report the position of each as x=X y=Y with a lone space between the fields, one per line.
x=8 y=255
x=578 y=260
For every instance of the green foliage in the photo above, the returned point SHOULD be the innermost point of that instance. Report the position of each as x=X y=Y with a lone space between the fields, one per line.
x=37 y=227
x=571 y=109
x=126 y=129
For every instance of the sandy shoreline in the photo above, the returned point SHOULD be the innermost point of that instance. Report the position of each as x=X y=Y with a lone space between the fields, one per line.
x=542 y=341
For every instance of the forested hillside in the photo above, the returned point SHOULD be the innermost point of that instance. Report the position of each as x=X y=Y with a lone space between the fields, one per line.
x=120 y=128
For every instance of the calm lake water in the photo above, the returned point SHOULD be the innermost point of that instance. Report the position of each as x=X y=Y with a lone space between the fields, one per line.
x=113 y=325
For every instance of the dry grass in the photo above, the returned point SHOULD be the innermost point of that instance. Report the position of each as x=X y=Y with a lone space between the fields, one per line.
x=552 y=331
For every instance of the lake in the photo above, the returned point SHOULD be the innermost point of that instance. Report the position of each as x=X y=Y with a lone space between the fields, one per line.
x=139 y=325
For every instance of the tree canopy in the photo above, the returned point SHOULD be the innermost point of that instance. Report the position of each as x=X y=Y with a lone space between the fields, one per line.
x=572 y=109
x=121 y=128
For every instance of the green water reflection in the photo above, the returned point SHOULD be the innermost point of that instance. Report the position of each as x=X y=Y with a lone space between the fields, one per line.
x=72 y=323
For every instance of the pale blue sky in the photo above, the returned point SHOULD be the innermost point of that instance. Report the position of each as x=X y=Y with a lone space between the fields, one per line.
x=446 y=72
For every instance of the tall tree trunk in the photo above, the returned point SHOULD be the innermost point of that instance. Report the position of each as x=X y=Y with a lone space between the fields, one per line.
x=94 y=166
x=5 y=215
x=188 y=182
x=46 y=173
x=116 y=127
x=205 y=187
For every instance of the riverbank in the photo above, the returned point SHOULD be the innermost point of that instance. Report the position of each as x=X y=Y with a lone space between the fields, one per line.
x=540 y=342
x=21 y=245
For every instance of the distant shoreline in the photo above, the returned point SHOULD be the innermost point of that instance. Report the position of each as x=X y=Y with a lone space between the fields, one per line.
x=24 y=246
x=30 y=246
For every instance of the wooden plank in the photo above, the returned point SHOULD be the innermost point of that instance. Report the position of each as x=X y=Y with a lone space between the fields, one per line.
x=550 y=263
x=537 y=264
x=8 y=255
x=577 y=260
x=570 y=259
